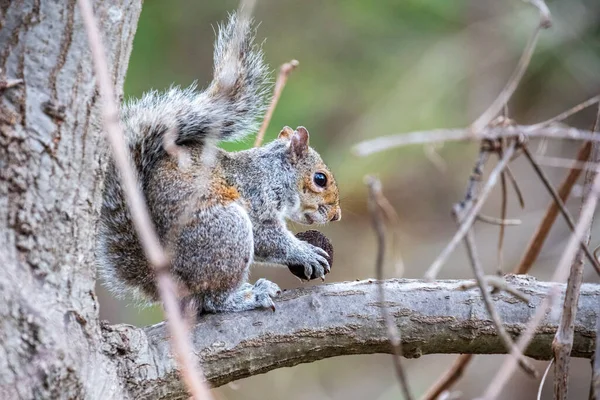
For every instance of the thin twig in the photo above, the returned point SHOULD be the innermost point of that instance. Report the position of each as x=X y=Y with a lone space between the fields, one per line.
x=503 y=217
x=179 y=153
x=284 y=72
x=471 y=214
x=489 y=305
x=535 y=245
x=8 y=83
x=451 y=376
x=543 y=380
x=498 y=283
x=153 y=250
x=513 y=82
x=560 y=276
x=563 y=340
x=434 y=157
x=475 y=178
x=560 y=162
x=392 y=217
x=595 y=382
x=564 y=115
x=515 y=185
x=497 y=221
x=545 y=16
x=561 y=206
x=383 y=143
x=511 y=85
x=376 y=211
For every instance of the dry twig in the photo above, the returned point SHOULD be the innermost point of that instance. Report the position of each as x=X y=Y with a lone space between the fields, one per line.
x=595 y=383
x=503 y=217
x=471 y=213
x=383 y=143
x=152 y=248
x=499 y=283
x=447 y=380
x=8 y=83
x=489 y=305
x=561 y=162
x=571 y=111
x=563 y=340
x=560 y=276
x=561 y=207
x=535 y=245
x=515 y=185
x=284 y=72
x=543 y=380
x=497 y=221
x=377 y=212
x=495 y=108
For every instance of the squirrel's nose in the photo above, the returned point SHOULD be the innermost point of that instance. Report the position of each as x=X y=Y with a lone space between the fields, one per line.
x=337 y=216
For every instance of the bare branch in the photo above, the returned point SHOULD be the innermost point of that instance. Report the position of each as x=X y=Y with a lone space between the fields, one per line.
x=499 y=284
x=563 y=341
x=284 y=73
x=560 y=275
x=312 y=323
x=503 y=218
x=471 y=214
x=561 y=207
x=497 y=221
x=561 y=162
x=447 y=380
x=535 y=245
x=545 y=16
x=379 y=144
x=571 y=111
x=595 y=383
x=489 y=305
x=515 y=185
x=496 y=107
x=543 y=380
x=377 y=211
x=8 y=83
x=137 y=207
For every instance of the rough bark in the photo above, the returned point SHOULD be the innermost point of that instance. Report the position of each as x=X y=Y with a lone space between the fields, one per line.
x=52 y=345
x=50 y=337
x=341 y=319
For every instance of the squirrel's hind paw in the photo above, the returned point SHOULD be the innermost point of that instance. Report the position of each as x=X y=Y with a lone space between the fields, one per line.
x=263 y=292
x=247 y=297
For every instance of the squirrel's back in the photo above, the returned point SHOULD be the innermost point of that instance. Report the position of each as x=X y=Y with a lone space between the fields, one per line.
x=228 y=109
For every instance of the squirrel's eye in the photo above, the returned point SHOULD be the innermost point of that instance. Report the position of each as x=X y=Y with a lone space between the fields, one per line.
x=320 y=179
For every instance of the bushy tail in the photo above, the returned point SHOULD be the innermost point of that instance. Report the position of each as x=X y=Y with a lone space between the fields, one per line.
x=228 y=109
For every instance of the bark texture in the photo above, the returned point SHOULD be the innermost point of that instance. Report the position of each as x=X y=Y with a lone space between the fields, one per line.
x=341 y=319
x=52 y=345
x=50 y=337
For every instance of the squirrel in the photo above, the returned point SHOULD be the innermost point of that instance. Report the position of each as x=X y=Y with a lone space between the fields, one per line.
x=233 y=205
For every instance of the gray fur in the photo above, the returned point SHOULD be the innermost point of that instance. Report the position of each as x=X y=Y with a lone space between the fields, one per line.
x=234 y=208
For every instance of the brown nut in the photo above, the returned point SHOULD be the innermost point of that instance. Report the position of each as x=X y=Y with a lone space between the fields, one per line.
x=315 y=238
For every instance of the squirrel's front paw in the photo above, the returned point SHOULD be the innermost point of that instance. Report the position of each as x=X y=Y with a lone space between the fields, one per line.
x=312 y=258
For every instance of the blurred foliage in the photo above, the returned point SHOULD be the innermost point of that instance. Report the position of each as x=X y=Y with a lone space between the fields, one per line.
x=371 y=68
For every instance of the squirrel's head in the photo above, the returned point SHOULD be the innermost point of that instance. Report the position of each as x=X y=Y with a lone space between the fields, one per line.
x=318 y=192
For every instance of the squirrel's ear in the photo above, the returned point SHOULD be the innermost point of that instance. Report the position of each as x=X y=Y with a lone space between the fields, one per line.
x=299 y=142
x=285 y=133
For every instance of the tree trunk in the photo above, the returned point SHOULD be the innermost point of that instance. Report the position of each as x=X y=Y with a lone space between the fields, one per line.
x=50 y=184
x=52 y=345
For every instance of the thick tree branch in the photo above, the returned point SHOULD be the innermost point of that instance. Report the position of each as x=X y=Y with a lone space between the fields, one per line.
x=340 y=319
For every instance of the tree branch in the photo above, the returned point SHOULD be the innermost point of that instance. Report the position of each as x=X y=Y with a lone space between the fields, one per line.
x=340 y=319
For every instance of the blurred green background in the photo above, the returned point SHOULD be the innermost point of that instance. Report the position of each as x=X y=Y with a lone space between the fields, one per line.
x=374 y=68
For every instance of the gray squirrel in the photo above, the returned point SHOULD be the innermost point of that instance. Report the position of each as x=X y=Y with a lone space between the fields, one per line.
x=236 y=203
